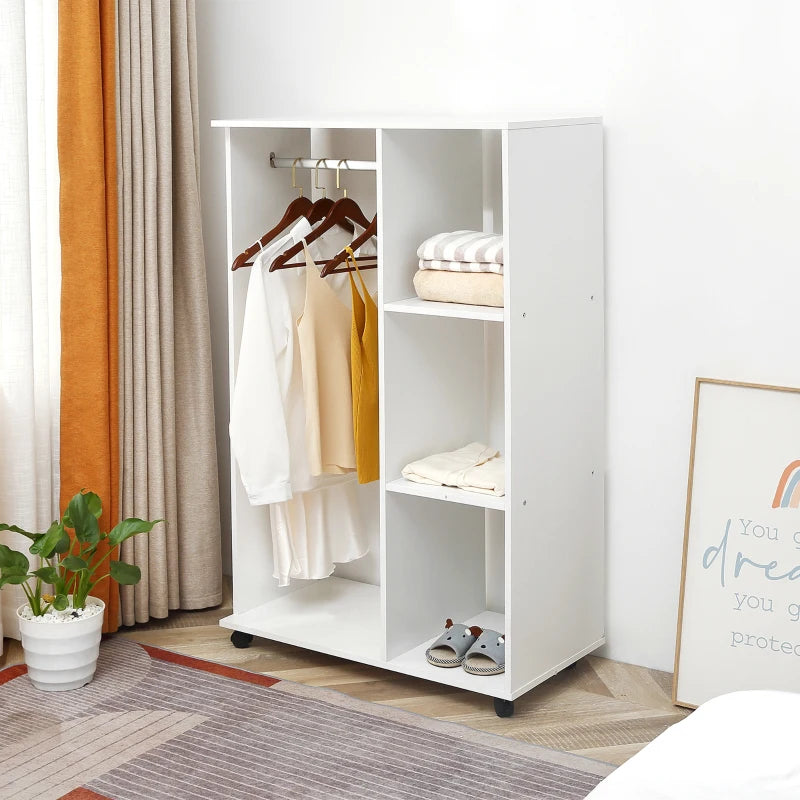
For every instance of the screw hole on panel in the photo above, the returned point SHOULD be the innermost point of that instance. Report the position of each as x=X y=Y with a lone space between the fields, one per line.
x=524 y=502
x=524 y=315
x=592 y=297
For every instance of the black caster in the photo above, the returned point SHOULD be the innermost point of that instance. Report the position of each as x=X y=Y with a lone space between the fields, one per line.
x=241 y=640
x=503 y=708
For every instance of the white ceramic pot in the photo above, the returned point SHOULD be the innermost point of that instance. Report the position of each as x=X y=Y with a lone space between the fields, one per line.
x=61 y=655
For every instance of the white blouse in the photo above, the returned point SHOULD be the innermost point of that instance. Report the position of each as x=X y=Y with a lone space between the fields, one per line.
x=315 y=521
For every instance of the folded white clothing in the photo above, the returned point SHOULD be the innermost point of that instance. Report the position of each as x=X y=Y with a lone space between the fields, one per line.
x=461 y=266
x=488 y=478
x=475 y=468
x=463 y=246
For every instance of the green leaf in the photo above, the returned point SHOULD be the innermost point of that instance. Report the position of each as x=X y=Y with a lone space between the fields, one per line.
x=4 y=527
x=13 y=574
x=61 y=602
x=62 y=545
x=130 y=527
x=47 y=574
x=83 y=520
x=12 y=579
x=94 y=503
x=46 y=542
x=12 y=558
x=126 y=574
x=74 y=564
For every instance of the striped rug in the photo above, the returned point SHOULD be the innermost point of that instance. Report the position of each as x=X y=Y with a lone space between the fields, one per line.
x=154 y=724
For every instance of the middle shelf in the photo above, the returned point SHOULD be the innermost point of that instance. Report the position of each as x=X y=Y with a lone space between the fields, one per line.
x=431 y=308
x=448 y=494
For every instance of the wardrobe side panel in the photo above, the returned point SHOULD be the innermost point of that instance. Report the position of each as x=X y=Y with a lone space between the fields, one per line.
x=257 y=198
x=554 y=396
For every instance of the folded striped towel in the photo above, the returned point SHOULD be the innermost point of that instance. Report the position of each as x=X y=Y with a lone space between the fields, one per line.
x=461 y=266
x=465 y=246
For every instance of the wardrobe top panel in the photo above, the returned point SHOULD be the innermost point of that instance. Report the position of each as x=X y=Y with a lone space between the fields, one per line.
x=409 y=123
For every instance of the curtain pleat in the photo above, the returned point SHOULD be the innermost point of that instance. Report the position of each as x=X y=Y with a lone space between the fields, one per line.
x=30 y=278
x=168 y=449
x=87 y=154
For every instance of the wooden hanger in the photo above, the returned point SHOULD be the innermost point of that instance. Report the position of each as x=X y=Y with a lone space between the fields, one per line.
x=330 y=267
x=299 y=207
x=341 y=212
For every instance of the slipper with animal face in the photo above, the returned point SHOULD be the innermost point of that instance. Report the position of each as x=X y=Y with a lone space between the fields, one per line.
x=487 y=656
x=449 y=649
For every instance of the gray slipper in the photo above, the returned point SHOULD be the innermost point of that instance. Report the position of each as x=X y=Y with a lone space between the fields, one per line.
x=449 y=649
x=487 y=656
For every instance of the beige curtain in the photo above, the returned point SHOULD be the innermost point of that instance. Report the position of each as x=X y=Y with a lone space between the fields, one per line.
x=168 y=452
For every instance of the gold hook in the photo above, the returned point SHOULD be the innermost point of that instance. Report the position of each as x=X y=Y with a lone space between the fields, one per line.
x=316 y=178
x=344 y=190
x=294 y=183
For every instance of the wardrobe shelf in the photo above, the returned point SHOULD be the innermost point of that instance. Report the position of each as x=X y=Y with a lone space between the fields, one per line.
x=334 y=616
x=414 y=305
x=413 y=662
x=448 y=494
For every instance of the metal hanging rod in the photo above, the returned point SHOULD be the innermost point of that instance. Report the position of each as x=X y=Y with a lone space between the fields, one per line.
x=325 y=163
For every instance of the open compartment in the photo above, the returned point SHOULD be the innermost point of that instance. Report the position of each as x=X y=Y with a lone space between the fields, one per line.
x=432 y=181
x=443 y=388
x=443 y=560
x=340 y=614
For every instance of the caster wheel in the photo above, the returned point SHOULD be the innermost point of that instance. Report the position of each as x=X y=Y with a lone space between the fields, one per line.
x=241 y=640
x=503 y=708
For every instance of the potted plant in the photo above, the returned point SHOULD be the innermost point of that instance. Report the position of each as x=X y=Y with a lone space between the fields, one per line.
x=61 y=627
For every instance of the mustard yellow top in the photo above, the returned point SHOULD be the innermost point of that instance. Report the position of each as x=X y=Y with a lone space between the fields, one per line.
x=324 y=339
x=364 y=377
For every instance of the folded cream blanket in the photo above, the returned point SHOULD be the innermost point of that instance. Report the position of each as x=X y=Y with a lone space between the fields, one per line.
x=475 y=468
x=474 y=288
x=463 y=246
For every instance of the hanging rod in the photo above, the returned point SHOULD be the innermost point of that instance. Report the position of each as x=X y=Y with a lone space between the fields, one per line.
x=324 y=163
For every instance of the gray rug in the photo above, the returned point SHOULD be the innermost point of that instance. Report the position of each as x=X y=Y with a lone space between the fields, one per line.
x=155 y=724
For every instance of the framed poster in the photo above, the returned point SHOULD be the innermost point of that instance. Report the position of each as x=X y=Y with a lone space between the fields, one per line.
x=739 y=613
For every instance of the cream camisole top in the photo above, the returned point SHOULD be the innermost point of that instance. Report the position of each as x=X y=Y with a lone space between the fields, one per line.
x=323 y=332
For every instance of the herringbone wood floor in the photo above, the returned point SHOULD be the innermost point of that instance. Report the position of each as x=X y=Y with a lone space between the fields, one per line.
x=601 y=709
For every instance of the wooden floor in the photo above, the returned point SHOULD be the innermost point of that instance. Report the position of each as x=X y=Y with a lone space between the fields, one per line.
x=600 y=708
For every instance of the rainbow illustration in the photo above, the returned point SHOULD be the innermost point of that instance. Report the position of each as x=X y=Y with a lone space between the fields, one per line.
x=787 y=495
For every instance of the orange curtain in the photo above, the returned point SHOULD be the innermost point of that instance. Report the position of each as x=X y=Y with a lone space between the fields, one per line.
x=87 y=156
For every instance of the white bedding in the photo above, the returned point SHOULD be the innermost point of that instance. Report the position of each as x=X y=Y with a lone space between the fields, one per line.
x=740 y=746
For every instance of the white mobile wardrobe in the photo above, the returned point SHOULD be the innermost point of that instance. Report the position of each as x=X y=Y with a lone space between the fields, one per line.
x=527 y=378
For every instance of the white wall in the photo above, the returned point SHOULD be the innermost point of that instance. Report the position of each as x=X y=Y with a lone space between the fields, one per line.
x=700 y=102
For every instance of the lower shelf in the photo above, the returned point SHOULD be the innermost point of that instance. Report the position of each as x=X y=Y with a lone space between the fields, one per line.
x=413 y=662
x=334 y=616
x=448 y=494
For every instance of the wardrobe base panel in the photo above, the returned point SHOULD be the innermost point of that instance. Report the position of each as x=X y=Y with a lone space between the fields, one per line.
x=334 y=616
